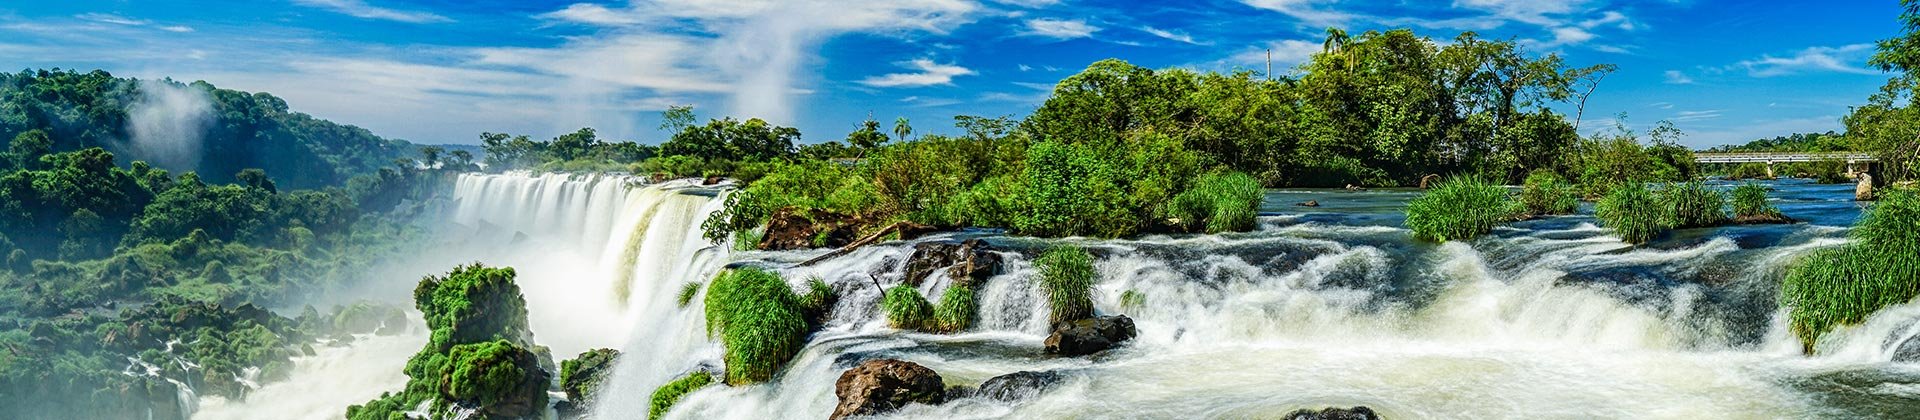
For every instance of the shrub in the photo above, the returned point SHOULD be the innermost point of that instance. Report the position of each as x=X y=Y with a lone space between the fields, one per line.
x=1067 y=275
x=1069 y=189
x=759 y=321
x=1750 y=201
x=491 y=372
x=1828 y=172
x=906 y=309
x=1133 y=299
x=818 y=301
x=687 y=293
x=1219 y=202
x=958 y=308
x=1692 y=205
x=1632 y=212
x=670 y=394
x=1546 y=193
x=1459 y=208
x=1845 y=285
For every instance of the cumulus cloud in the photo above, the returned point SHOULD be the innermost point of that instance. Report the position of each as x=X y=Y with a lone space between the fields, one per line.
x=1841 y=59
x=360 y=9
x=1060 y=28
x=929 y=74
x=167 y=122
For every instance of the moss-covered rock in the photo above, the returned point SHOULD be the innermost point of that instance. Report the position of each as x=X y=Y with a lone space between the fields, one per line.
x=581 y=377
x=760 y=321
x=498 y=378
x=671 y=393
x=481 y=356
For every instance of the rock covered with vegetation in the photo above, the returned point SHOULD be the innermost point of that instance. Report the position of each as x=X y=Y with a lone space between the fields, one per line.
x=480 y=356
x=881 y=386
x=759 y=320
x=1750 y=206
x=1843 y=286
x=1460 y=208
x=581 y=378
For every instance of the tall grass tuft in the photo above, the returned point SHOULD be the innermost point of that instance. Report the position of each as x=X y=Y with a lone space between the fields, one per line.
x=1693 y=205
x=1632 y=211
x=1460 y=208
x=1845 y=285
x=1750 y=202
x=906 y=309
x=667 y=395
x=957 y=311
x=687 y=293
x=1546 y=194
x=758 y=319
x=1219 y=202
x=1066 y=272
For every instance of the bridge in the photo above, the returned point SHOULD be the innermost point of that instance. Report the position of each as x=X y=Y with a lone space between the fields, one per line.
x=1856 y=162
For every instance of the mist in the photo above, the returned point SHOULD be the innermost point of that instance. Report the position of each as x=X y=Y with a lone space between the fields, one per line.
x=167 y=122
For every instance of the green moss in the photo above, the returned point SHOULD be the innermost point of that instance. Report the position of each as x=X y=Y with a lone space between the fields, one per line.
x=818 y=301
x=1545 y=193
x=490 y=373
x=1133 y=299
x=1844 y=286
x=1750 y=200
x=581 y=377
x=687 y=293
x=471 y=304
x=906 y=309
x=1219 y=202
x=959 y=307
x=1693 y=205
x=671 y=393
x=1459 y=208
x=1633 y=213
x=758 y=319
x=1067 y=275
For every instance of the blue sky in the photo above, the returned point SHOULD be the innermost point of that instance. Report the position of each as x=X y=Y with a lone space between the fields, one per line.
x=442 y=71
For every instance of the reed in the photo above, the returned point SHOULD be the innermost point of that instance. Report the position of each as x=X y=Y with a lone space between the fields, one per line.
x=1460 y=208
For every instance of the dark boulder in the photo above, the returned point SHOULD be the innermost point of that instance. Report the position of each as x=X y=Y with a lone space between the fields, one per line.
x=1764 y=219
x=788 y=229
x=1089 y=336
x=1309 y=203
x=1908 y=351
x=969 y=263
x=713 y=180
x=1018 y=385
x=881 y=386
x=1356 y=413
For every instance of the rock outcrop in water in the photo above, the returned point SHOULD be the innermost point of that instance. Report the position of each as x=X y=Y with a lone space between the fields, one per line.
x=581 y=377
x=1356 y=413
x=969 y=263
x=1089 y=336
x=481 y=358
x=788 y=229
x=881 y=386
x=1018 y=385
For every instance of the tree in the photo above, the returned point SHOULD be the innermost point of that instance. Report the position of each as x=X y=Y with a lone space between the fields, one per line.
x=868 y=136
x=256 y=179
x=27 y=148
x=430 y=156
x=676 y=118
x=901 y=129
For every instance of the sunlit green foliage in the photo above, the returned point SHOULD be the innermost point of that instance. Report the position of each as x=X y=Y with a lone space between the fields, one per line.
x=1634 y=213
x=1615 y=157
x=1219 y=202
x=1545 y=194
x=1692 y=205
x=687 y=292
x=579 y=151
x=758 y=319
x=480 y=351
x=667 y=395
x=1460 y=208
x=1750 y=200
x=1845 y=285
x=906 y=309
x=1067 y=276
x=488 y=372
x=957 y=310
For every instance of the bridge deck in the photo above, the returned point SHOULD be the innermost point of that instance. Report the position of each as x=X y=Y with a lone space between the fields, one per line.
x=1780 y=157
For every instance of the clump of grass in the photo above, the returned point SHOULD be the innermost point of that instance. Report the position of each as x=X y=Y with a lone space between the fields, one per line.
x=1693 y=205
x=1844 y=286
x=687 y=292
x=906 y=309
x=1459 y=208
x=1546 y=193
x=818 y=301
x=1066 y=273
x=670 y=394
x=958 y=308
x=1133 y=299
x=1219 y=202
x=758 y=319
x=1632 y=212
x=1750 y=202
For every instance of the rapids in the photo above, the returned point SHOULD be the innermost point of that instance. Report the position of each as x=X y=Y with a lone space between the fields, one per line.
x=1326 y=306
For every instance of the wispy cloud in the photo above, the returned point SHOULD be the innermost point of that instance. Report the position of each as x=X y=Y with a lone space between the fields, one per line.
x=1309 y=12
x=592 y=14
x=1172 y=35
x=1690 y=116
x=929 y=74
x=1841 y=59
x=1060 y=28
x=360 y=9
x=114 y=19
x=1676 y=77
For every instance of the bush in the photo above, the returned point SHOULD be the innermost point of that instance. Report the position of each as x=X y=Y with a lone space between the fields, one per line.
x=1546 y=193
x=1692 y=205
x=1750 y=201
x=759 y=321
x=670 y=394
x=958 y=308
x=688 y=292
x=492 y=372
x=1748 y=171
x=1632 y=212
x=1460 y=208
x=1219 y=202
x=1844 y=286
x=1067 y=275
x=906 y=309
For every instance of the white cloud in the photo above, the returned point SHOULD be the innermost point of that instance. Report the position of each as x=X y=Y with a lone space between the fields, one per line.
x=1613 y=18
x=1307 y=11
x=1676 y=77
x=592 y=14
x=1030 y=4
x=929 y=74
x=1171 y=35
x=114 y=19
x=1690 y=116
x=1024 y=67
x=360 y=9
x=1533 y=12
x=1060 y=29
x=1842 y=59
x=1286 y=55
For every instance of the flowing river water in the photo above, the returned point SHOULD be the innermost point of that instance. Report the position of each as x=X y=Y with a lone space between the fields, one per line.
x=1320 y=306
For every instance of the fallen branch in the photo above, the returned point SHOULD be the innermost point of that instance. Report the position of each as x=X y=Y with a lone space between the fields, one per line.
x=868 y=240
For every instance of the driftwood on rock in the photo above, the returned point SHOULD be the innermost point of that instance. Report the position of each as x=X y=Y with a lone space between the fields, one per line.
x=906 y=229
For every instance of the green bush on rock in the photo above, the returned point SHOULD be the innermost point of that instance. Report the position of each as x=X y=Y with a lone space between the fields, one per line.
x=670 y=394
x=758 y=319
x=906 y=309
x=1219 y=202
x=1067 y=275
x=1750 y=205
x=1693 y=205
x=1632 y=212
x=1545 y=193
x=1460 y=208
x=480 y=355
x=957 y=310
x=1844 y=286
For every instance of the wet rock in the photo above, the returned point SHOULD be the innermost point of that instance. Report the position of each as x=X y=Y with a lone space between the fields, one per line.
x=1309 y=203
x=968 y=263
x=712 y=180
x=881 y=386
x=1351 y=187
x=1864 y=190
x=1356 y=413
x=1764 y=219
x=581 y=377
x=1089 y=336
x=1908 y=351
x=1019 y=385
x=790 y=230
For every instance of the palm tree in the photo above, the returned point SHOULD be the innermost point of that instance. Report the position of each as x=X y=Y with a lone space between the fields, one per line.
x=901 y=130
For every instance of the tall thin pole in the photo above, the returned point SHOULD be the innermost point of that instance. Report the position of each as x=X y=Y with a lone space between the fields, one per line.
x=1269 y=64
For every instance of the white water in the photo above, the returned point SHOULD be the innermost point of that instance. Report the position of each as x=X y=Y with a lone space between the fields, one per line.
x=323 y=385
x=1234 y=326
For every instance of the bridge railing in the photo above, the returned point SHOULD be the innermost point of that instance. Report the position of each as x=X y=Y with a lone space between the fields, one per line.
x=1779 y=157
